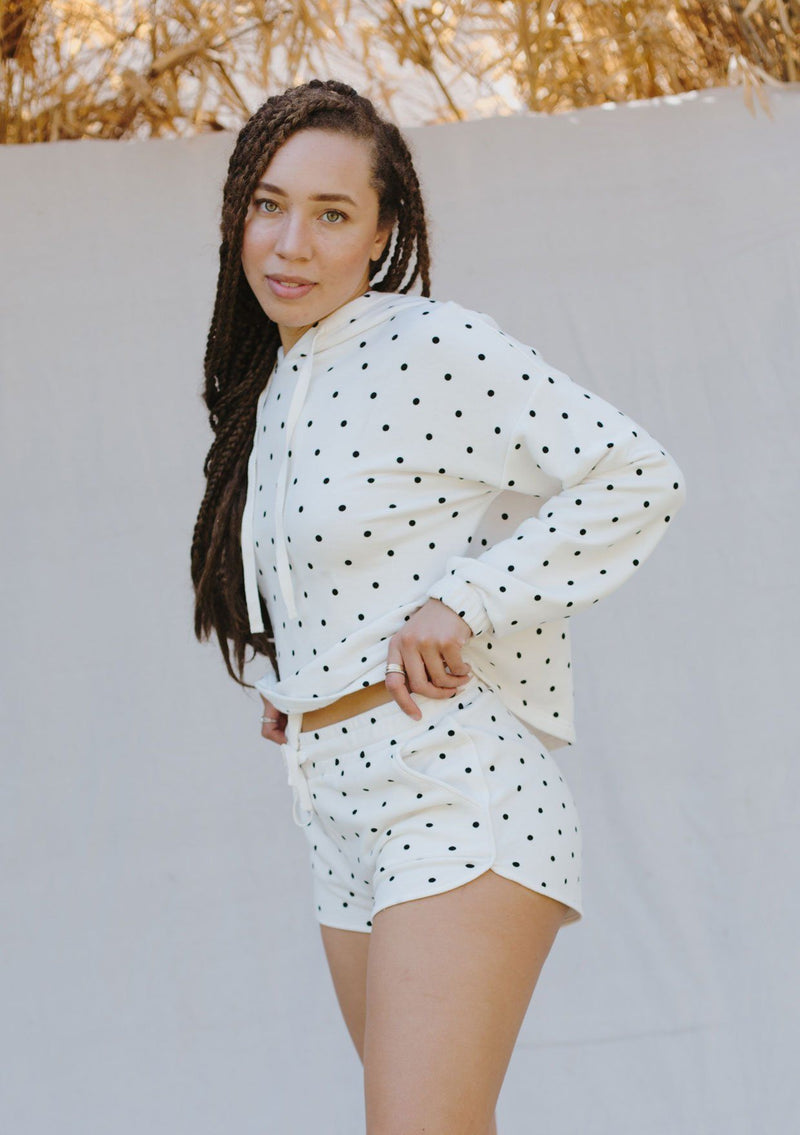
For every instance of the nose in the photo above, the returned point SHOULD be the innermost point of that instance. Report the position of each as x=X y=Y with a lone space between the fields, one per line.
x=294 y=242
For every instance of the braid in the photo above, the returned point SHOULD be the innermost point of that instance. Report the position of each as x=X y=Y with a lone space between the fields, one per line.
x=412 y=235
x=242 y=341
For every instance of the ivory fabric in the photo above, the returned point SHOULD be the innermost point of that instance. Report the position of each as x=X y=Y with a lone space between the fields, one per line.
x=382 y=438
x=395 y=809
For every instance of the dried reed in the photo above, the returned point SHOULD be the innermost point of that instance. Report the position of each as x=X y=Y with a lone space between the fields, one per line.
x=153 y=68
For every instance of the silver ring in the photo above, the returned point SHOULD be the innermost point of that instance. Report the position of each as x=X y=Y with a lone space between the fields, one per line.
x=394 y=668
x=266 y=719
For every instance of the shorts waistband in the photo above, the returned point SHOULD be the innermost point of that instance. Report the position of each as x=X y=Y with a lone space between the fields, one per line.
x=371 y=724
x=304 y=751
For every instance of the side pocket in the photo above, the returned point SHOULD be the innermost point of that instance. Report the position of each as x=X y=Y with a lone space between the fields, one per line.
x=445 y=760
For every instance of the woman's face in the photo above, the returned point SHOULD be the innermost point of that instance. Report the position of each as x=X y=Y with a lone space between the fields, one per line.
x=311 y=230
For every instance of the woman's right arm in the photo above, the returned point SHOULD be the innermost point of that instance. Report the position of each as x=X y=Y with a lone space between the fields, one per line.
x=619 y=489
x=273 y=731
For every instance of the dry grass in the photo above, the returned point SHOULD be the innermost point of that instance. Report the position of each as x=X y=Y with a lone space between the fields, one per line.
x=155 y=68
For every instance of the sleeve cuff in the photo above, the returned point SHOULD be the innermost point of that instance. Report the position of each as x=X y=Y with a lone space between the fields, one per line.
x=465 y=600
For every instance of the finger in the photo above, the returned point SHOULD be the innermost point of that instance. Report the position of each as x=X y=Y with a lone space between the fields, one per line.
x=435 y=661
x=451 y=653
x=437 y=675
x=419 y=680
x=273 y=730
x=278 y=718
x=397 y=686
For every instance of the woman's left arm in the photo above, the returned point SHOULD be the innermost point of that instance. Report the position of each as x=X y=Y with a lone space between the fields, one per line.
x=613 y=491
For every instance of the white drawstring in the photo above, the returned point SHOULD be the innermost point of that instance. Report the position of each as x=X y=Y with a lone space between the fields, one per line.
x=248 y=533
x=302 y=804
x=305 y=367
x=281 y=546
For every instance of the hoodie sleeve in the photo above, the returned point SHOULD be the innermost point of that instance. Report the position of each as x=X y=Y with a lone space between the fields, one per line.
x=268 y=679
x=618 y=491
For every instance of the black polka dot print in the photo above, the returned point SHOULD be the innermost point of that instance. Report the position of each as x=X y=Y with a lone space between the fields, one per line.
x=398 y=809
x=382 y=439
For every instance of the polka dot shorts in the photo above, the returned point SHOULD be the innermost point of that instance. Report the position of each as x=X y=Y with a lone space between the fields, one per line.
x=395 y=809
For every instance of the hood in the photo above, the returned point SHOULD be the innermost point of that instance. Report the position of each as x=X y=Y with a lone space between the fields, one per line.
x=349 y=321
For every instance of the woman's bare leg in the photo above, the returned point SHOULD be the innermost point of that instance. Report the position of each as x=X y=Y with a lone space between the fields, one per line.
x=347 y=954
x=449 y=980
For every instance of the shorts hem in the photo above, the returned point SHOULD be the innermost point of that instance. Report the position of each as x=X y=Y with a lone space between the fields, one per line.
x=322 y=920
x=574 y=913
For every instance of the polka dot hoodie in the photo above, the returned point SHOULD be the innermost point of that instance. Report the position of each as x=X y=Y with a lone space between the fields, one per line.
x=388 y=438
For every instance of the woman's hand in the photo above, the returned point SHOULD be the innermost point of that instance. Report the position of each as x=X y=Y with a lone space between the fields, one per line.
x=274 y=730
x=431 y=640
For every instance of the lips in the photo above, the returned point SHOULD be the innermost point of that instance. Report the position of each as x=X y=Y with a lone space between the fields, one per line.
x=291 y=279
x=290 y=287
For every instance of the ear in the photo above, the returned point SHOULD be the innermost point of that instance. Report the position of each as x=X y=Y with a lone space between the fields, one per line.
x=382 y=238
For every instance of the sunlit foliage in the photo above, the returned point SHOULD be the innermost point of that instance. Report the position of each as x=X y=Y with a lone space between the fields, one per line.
x=165 y=68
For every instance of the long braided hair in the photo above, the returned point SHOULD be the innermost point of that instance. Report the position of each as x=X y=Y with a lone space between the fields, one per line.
x=243 y=341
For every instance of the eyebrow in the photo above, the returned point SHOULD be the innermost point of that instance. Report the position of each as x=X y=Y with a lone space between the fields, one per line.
x=317 y=197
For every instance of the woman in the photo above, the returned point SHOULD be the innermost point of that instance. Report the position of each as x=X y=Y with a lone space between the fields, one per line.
x=362 y=437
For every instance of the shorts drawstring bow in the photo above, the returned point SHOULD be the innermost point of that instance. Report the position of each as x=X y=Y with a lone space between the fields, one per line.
x=296 y=778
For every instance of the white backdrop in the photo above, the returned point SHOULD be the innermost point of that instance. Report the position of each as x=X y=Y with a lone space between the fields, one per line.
x=161 y=964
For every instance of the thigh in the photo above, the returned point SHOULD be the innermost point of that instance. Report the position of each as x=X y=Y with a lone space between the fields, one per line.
x=347 y=952
x=449 y=980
